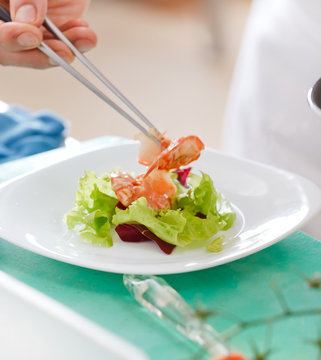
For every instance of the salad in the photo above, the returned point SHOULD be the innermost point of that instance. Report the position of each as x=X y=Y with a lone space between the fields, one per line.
x=168 y=204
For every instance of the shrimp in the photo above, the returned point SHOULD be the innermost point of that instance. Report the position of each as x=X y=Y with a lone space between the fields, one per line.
x=179 y=153
x=157 y=188
x=149 y=150
x=123 y=185
x=156 y=185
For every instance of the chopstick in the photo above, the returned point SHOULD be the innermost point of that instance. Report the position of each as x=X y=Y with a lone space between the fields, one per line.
x=150 y=131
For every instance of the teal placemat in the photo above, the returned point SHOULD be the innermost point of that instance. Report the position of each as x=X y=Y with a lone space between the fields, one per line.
x=268 y=294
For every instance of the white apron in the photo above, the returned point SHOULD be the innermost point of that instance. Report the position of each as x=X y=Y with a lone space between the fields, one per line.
x=268 y=118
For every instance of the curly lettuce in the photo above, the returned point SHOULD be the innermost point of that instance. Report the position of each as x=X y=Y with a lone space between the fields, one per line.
x=195 y=215
x=198 y=213
x=93 y=209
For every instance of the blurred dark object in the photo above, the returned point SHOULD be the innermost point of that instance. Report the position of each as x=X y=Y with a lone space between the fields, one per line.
x=24 y=133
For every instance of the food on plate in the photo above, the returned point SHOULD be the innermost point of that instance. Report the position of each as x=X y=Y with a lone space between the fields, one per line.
x=168 y=204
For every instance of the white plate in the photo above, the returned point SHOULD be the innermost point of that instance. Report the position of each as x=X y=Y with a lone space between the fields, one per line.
x=270 y=204
x=33 y=326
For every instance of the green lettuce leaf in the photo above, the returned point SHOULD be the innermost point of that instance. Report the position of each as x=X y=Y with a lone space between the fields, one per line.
x=166 y=224
x=216 y=245
x=93 y=209
x=183 y=225
x=203 y=198
x=198 y=229
x=198 y=213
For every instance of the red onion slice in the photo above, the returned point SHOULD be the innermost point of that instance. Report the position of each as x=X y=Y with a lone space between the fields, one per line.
x=182 y=175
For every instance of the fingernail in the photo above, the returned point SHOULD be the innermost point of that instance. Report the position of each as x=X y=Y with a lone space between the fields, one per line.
x=26 y=14
x=28 y=40
x=83 y=46
x=84 y=49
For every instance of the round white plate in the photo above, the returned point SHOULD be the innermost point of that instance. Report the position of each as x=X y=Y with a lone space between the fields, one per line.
x=270 y=204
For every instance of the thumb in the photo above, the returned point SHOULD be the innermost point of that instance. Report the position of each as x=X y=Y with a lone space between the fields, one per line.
x=28 y=11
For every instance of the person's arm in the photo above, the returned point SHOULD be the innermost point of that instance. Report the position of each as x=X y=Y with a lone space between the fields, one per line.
x=20 y=38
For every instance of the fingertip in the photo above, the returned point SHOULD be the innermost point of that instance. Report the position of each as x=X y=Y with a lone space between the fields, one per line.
x=84 y=45
x=26 y=14
x=28 y=40
x=84 y=48
x=83 y=38
x=17 y=37
x=32 y=12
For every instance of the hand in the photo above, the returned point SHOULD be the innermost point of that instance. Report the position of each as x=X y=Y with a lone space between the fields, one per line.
x=20 y=38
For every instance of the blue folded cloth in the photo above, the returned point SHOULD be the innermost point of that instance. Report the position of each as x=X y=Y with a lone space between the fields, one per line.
x=24 y=132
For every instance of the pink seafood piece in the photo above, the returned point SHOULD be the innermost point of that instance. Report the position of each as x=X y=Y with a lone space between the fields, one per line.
x=149 y=150
x=179 y=153
x=158 y=188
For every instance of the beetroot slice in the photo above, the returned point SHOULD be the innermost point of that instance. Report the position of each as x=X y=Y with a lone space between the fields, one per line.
x=166 y=247
x=200 y=215
x=120 y=206
x=182 y=175
x=130 y=233
x=135 y=232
